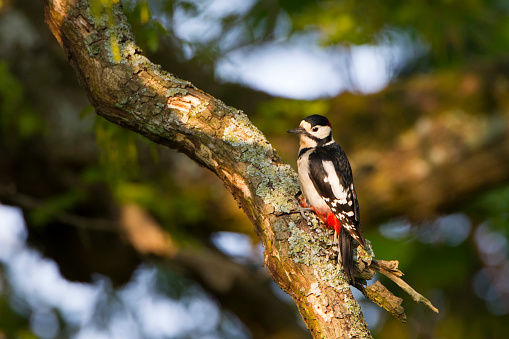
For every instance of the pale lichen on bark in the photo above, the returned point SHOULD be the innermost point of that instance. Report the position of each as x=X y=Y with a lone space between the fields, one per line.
x=276 y=179
x=313 y=249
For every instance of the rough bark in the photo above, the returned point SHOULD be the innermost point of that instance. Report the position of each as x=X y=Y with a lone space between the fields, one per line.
x=125 y=88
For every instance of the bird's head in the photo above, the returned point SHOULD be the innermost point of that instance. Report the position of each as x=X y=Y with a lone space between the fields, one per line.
x=315 y=130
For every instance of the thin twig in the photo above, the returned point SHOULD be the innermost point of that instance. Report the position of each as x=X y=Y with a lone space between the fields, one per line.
x=391 y=271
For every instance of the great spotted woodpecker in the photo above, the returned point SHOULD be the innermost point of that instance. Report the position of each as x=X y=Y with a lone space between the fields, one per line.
x=325 y=178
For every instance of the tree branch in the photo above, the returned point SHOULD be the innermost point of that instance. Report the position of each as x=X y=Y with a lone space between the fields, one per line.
x=127 y=89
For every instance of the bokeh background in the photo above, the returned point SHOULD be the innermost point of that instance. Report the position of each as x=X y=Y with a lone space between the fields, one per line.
x=106 y=235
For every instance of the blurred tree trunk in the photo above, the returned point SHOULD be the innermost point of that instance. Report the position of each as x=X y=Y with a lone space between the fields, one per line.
x=125 y=88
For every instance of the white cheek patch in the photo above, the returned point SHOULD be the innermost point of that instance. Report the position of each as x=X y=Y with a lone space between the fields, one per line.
x=322 y=133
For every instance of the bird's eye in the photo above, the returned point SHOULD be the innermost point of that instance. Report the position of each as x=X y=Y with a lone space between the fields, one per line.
x=314 y=129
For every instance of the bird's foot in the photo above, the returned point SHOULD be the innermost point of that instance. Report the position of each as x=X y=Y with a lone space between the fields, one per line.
x=301 y=200
x=305 y=209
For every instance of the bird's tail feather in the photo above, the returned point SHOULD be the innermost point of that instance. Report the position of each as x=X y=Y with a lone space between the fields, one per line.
x=343 y=246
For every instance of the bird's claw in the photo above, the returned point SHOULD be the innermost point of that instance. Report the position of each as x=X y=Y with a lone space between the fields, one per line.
x=302 y=210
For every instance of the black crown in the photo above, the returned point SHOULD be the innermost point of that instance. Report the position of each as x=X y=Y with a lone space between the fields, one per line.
x=316 y=119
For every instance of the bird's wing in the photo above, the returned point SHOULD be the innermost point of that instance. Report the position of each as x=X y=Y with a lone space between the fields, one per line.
x=357 y=215
x=332 y=178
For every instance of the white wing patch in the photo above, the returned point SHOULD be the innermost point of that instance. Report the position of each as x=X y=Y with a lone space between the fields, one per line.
x=333 y=179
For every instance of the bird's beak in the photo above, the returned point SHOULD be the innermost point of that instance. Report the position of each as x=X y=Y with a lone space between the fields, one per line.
x=298 y=130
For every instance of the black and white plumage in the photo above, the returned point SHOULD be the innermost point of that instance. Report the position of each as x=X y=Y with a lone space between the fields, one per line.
x=325 y=177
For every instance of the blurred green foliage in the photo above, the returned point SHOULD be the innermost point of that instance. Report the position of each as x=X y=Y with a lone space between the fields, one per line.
x=274 y=115
x=494 y=207
x=191 y=204
x=12 y=324
x=117 y=149
x=454 y=30
x=148 y=32
x=16 y=115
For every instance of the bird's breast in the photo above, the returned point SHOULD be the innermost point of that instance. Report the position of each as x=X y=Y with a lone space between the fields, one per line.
x=307 y=186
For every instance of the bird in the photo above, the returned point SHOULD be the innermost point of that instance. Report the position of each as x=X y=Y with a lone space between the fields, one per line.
x=326 y=181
